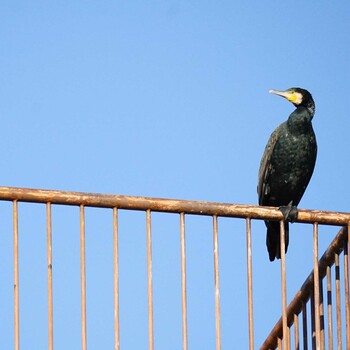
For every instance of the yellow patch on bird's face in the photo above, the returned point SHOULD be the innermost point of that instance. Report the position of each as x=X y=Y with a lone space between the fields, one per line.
x=294 y=97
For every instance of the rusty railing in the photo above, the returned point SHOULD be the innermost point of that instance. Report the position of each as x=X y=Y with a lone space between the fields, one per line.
x=310 y=293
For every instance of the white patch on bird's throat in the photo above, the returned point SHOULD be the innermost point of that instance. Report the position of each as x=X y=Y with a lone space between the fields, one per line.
x=298 y=98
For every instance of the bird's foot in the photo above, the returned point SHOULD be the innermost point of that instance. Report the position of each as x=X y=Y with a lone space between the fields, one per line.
x=290 y=212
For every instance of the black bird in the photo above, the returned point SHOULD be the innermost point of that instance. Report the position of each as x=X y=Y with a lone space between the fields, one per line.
x=287 y=165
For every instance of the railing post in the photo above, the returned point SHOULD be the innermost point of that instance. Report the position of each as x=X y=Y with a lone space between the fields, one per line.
x=116 y=279
x=149 y=279
x=83 y=278
x=216 y=282
x=16 y=273
x=183 y=282
x=286 y=342
x=49 y=275
x=250 y=283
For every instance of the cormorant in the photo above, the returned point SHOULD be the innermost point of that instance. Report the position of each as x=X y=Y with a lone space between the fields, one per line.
x=287 y=165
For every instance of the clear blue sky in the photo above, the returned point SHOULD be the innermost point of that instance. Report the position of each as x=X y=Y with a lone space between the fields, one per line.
x=161 y=99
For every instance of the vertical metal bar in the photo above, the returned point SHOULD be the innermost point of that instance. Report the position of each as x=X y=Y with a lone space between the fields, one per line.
x=316 y=287
x=216 y=281
x=322 y=331
x=284 y=287
x=337 y=301
x=250 y=283
x=347 y=292
x=49 y=275
x=329 y=308
x=183 y=282
x=305 y=339
x=16 y=274
x=149 y=279
x=313 y=327
x=279 y=344
x=116 y=279
x=296 y=332
x=83 y=277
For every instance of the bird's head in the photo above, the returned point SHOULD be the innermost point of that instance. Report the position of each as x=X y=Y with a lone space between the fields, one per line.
x=298 y=96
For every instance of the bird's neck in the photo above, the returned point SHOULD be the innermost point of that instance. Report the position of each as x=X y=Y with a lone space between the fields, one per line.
x=300 y=120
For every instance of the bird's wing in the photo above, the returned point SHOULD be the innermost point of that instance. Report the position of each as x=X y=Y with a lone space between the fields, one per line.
x=265 y=166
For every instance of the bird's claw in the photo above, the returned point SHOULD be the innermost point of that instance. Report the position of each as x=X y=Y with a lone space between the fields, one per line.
x=290 y=212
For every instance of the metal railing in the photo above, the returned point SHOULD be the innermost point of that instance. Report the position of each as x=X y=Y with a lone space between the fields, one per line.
x=279 y=336
x=312 y=294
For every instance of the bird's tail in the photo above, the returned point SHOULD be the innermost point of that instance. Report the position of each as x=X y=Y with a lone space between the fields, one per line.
x=273 y=242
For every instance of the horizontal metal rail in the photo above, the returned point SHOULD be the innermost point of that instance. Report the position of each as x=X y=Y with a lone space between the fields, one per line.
x=167 y=205
x=306 y=290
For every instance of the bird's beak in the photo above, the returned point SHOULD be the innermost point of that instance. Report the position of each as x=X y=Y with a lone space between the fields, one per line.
x=286 y=94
